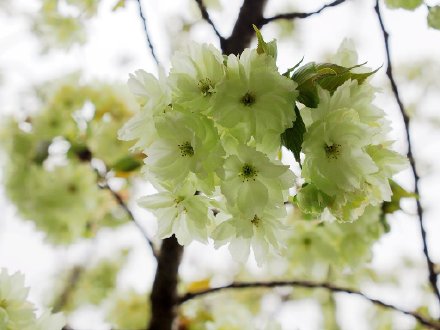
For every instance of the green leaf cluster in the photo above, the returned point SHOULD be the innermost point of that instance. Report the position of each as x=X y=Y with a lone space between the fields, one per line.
x=325 y=75
x=309 y=77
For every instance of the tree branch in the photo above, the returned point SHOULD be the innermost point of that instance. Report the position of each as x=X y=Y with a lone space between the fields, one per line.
x=164 y=299
x=250 y=13
x=406 y=120
x=206 y=17
x=312 y=285
x=298 y=15
x=130 y=214
x=147 y=35
x=85 y=155
x=72 y=282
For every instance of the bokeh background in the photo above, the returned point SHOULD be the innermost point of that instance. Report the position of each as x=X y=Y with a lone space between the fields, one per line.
x=111 y=43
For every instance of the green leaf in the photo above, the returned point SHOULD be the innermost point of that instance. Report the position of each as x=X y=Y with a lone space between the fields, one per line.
x=404 y=4
x=398 y=193
x=118 y=5
x=289 y=71
x=434 y=17
x=126 y=164
x=263 y=47
x=293 y=137
x=326 y=75
x=332 y=81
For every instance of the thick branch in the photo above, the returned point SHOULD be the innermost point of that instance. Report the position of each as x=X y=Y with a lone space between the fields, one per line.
x=406 y=120
x=313 y=285
x=206 y=17
x=250 y=13
x=299 y=15
x=164 y=300
x=147 y=35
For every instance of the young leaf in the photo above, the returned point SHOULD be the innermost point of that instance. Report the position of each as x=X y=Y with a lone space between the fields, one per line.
x=118 y=5
x=265 y=47
x=398 y=193
x=290 y=70
x=292 y=138
x=434 y=17
x=126 y=164
x=326 y=75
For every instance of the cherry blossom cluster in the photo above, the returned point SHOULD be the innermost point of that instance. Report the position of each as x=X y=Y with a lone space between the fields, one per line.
x=211 y=135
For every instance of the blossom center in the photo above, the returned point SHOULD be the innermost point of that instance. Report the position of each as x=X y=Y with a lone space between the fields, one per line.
x=248 y=172
x=206 y=87
x=72 y=188
x=248 y=99
x=255 y=220
x=332 y=151
x=178 y=199
x=307 y=241
x=186 y=149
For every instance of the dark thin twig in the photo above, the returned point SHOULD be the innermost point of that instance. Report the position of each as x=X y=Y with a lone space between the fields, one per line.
x=300 y=15
x=130 y=214
x=147 y=35
x=86 y=155
x=206 y=17
x=312 y=285
x=72 y=282
x=406 y=120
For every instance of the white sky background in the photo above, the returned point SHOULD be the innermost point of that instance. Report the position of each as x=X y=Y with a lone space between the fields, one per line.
x=116 y=46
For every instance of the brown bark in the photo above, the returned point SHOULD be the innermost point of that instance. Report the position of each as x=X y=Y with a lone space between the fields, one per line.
x=250 y=13
x=163 y=297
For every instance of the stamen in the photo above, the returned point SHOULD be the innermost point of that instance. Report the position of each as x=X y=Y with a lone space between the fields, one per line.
x=248 y=99
x=248 y=172
x=206 y=86
x=255 y=221
x=332 y=151
x=186 y=149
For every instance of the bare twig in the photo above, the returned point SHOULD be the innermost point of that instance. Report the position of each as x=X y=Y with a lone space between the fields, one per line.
x=206 y=17
x=130 y=214
x=406 y=120
x=313 y=285
x=147 y=35
x=85 y=155
x=299 y=15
